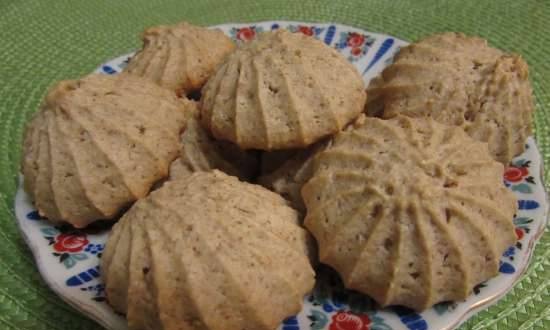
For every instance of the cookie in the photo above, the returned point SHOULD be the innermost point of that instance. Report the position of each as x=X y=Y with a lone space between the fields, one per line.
x=409 y=211
x=97 y=144
x=460 y=80
x=287 y=180
x=180 y=57
x=201 y=152
x=206 y=252
x=281 y=90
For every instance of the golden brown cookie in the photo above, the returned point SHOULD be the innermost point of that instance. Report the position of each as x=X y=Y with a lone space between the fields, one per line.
x=99 y=143
x=460 y=80
x=207 y=252
x=180 y=57
x=287 y=180
x=201 y=152
x=409 y=211
x=282 y=90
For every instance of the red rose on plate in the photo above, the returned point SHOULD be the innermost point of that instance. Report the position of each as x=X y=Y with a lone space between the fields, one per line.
x=308 y=31
x=355 y=39
x=515 y=174
x=349 y=321
x=519 y=233
x=355 y=51
x=70 y=243
x=246 y=33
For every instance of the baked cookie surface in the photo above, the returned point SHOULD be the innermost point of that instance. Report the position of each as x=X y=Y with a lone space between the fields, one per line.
x=409 y=211
x=207 y=252
x=282 y=90
x=97 y=144
x=460 y=80
x=180 y=57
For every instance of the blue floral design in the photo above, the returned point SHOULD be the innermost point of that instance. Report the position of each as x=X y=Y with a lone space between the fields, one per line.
x=506 y=268
x=411 y=319
x=528 y=204
x=83 y=277
x=386 y=45
x=329 y=36
x=95 y=249
x=109 y=70
x=509 y=252
x=291 y=323
x=98 y=291
x=35 y=216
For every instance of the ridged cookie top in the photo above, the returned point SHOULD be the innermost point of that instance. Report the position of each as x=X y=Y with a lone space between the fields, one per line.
x=180 y=57
x=459 y=80
x=207 y=252
x=281 y=90
x=201 y=152
x=409 y=211
x=97 y=144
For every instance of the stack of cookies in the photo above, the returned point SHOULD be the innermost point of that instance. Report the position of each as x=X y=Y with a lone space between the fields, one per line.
x=283 y=158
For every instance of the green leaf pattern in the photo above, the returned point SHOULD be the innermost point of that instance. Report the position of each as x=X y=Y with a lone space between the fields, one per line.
x=522 y=188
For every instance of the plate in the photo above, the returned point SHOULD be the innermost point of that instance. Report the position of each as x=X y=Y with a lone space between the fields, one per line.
x=68 y=259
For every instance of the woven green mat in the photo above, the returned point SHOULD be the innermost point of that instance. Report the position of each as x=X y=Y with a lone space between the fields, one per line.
x=45 y=41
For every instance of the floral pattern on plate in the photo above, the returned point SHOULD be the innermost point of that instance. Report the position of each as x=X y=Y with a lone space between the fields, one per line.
x=68 y=259
x=308 y=30
x=245 y=33
x=68 y=244
x=358 y=44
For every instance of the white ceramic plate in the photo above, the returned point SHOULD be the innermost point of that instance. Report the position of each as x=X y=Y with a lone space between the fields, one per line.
x=68 y=259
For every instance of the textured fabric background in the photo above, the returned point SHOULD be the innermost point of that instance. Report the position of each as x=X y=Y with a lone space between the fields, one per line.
x=44 y=41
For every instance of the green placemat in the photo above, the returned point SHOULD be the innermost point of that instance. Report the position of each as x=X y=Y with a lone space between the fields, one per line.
x=45 y=41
